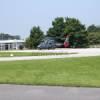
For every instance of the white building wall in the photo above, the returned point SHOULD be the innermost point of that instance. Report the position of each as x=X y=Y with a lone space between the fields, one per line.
x=11 y=44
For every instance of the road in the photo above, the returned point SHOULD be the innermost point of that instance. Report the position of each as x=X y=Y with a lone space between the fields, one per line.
x=79 y=53
x=17 y=92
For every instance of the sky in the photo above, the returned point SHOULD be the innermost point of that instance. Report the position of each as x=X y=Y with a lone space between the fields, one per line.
x=17 y=17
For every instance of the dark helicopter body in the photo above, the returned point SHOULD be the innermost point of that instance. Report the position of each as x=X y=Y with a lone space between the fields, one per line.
x=50 y=43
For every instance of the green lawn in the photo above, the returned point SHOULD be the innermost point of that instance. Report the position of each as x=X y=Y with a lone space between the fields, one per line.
x=8 y=54
x=63 y=72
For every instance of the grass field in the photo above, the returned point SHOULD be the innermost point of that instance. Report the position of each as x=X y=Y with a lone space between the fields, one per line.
x=10 y=54
x=61 y=72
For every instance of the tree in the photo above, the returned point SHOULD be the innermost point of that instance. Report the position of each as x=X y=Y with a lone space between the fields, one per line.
x=76 y=32
x=4 y=36
x=57 y=28
x=94 y=38
x=28 y=43
x=71 y=28
x=92 y=28
x=35 y=37
x=93 y=34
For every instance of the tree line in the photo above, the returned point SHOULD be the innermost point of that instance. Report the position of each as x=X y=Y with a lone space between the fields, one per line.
x=77 y=33
x=4 y=36
x=63 y=29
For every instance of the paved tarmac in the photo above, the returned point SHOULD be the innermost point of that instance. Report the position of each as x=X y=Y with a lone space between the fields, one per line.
x=21 y=92
x=78 y=53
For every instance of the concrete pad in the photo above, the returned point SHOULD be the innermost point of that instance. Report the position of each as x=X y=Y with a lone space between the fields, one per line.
x=20 y=92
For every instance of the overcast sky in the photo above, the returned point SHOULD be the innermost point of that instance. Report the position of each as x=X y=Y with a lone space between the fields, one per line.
x=19 y=16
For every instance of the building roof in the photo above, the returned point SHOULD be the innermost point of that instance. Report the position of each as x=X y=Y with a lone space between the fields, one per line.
x=12 y=41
